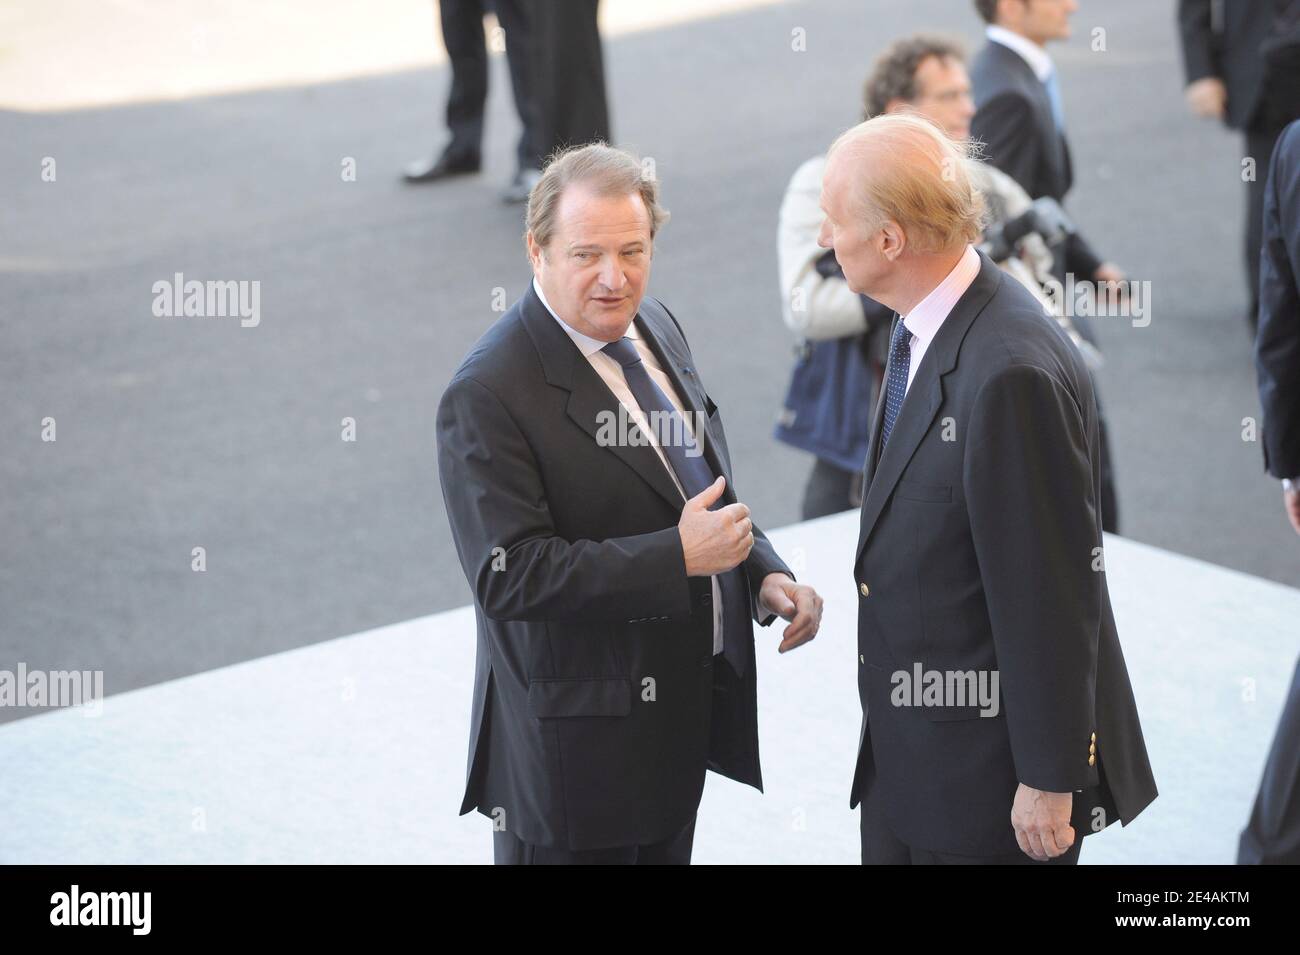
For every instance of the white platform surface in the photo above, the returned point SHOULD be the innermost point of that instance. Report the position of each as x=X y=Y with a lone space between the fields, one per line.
x=353 y=750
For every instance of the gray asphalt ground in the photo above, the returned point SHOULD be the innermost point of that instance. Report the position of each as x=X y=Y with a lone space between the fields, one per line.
x=188 y=432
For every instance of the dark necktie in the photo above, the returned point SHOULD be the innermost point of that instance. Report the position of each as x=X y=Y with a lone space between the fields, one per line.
x=900 y=359
x=694 y=475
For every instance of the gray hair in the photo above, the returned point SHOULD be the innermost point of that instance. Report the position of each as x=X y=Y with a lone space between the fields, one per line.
x=609 y=171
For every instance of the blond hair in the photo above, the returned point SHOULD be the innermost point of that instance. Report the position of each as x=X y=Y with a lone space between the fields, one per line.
x=601 y=167
x=917 y=177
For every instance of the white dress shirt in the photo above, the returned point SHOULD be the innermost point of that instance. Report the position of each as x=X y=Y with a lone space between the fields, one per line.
x=924 y=320
x=1029 y=51
x=611 y=372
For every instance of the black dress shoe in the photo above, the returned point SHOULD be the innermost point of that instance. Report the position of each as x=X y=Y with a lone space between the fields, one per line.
x=444 y=167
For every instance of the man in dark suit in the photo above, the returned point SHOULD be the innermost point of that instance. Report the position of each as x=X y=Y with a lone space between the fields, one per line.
x=1019 y=116
x=1273 y=834
x=998 y=720
x=581 y=460
x=1233 y=75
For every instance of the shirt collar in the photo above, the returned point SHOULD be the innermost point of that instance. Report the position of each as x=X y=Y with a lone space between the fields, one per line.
x=586 y=344
x=1029 y=51
x=924 y=320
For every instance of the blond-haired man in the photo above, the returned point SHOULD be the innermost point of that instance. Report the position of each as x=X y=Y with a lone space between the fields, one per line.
x=998 y=720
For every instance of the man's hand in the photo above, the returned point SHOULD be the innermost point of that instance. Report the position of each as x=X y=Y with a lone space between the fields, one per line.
x=713 y=542
x=1208 y=97
x=1042 y=822
x=797 y=603
x=1291 y=501
x=1108 y=273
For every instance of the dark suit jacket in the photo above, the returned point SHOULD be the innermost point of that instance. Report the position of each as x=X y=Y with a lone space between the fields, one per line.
x=1013 y=119
x=980 y=529
x=1277 y=345
x=587 y=596
x=1231 y=52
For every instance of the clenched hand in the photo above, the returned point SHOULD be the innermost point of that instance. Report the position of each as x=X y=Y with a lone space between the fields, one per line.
x=713 y=542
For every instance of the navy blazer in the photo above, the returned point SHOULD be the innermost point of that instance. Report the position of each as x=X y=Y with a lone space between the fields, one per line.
x=979 y=550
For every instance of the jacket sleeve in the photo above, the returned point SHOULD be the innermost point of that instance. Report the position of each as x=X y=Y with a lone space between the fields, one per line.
x=518 y=567
x=1080 y=257
x=1277 y=346
x=1033 y=519
x=1005 y=125
x=762 y=560
x=1200 y=49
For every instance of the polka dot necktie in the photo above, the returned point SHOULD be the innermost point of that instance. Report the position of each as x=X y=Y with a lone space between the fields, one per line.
x=900 y=360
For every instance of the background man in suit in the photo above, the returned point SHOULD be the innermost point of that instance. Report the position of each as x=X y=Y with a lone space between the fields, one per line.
x=979 y=556
x=1019 y=114
x=1020 y=119
x=1273 y=834
x=1231 y=76
x=580 y=459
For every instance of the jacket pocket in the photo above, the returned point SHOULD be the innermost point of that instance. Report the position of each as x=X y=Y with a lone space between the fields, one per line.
x=549 y=698
x=914 y=491
x=945 y=714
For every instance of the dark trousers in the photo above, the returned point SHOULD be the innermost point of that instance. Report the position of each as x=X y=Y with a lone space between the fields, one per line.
x=462 y=33
x=507 y=849
x=569 y=75
x=831 y=489
x=1272 y=836
x=881 y=847
x=1259 y=146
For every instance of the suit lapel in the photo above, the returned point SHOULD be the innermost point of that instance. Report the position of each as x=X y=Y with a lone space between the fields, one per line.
x=923 y=401
x=590 y=400
x=914 y=419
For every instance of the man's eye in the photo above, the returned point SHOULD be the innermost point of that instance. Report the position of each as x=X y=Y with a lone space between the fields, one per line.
x=584 y=255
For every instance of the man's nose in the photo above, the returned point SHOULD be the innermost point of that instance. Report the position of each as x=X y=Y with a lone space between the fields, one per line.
x=823 y=236
x=612 y=275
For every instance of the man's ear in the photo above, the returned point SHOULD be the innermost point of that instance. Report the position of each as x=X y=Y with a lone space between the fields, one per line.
x=891 y=240
x=534 y=251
